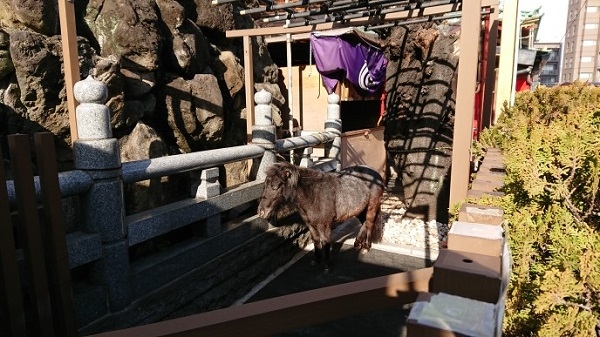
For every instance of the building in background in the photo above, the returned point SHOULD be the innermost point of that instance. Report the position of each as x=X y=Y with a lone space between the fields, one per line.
x=529 y=59
x=549 y=75
x=581 y=47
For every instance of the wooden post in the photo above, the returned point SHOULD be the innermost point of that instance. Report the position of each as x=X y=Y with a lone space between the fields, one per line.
x=11 y=306
x=465 y=99
x=57 y=256
x=249 y=82
x=506 y=68
x=66 y=12
x=33 y=248
x=489 y=87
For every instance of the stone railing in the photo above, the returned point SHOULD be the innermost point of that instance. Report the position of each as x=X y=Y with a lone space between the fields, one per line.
x=105 y=233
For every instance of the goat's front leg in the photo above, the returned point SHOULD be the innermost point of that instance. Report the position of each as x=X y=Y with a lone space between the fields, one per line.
x=318 y=254
x=316 y=238
x=328 y=259
x=325 y=235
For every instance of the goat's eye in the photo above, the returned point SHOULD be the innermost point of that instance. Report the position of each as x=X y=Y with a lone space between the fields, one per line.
x=276 y=185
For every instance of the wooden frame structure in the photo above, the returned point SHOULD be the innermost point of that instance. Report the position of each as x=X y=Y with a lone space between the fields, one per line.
x=398 y=12
x=406 y=12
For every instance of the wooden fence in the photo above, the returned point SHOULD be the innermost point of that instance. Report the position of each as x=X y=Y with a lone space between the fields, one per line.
x=280 y=314
x=36 y=296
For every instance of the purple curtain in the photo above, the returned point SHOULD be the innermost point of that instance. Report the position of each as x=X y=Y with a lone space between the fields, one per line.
x=361 y=64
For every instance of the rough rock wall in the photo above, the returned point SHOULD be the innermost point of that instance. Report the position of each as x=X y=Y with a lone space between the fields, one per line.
x=167 y=64
x=420 y=113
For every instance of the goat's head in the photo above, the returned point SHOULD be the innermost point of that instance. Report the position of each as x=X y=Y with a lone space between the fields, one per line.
x=279 y=187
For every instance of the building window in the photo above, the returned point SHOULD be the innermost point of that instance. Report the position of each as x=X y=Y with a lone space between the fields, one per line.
x=587 y=59
x=588 y=43
x=590 y=26
x=585 y=76
x=592 y=9
x=548 y=80
x=548 y=69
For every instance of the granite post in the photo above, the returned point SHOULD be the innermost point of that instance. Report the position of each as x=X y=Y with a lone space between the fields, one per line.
x=307 y=160
x=209 y=187
x=263 y=131
x=334 y=125
x=96 y=152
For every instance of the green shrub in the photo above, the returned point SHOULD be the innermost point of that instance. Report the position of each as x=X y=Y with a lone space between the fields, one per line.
x=550 y=140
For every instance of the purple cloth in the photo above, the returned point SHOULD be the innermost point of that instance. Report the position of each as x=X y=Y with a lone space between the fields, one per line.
x=361 y=64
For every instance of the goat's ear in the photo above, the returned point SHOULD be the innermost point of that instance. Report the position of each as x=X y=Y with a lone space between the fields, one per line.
x=285 y=176
x=293 y=176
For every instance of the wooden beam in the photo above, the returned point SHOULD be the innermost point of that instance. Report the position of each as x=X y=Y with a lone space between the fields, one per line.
x=407 y=14
x=66 y=12
x=470 y=29
x=284 y=313
x=490 y=3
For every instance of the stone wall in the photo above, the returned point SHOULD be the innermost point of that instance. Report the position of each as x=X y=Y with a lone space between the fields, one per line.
x=176 y=83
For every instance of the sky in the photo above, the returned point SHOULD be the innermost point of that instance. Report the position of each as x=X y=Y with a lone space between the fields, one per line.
x=553 y=24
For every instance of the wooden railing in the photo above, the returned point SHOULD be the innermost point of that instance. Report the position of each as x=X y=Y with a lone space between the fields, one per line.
x=41 y=305
x=280 y=314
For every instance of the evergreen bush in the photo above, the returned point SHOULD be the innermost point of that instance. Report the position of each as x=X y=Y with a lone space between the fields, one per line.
x=550 y=140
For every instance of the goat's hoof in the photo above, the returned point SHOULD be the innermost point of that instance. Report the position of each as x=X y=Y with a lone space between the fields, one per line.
x=364 y=250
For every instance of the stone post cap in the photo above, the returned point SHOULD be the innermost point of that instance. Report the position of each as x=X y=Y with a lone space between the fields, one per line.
x=90 y=90
x=262 y=97
x=333 y=98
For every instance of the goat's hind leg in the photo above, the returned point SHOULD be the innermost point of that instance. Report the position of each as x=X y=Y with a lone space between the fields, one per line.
x=362 y=234
x=365 y=235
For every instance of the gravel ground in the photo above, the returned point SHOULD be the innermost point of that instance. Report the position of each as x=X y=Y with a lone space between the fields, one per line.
x=400 y=230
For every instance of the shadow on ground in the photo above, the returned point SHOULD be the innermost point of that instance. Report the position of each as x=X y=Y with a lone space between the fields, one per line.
x=350 y=266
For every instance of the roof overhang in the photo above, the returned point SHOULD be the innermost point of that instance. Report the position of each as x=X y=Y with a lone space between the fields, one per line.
x=304 y=17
